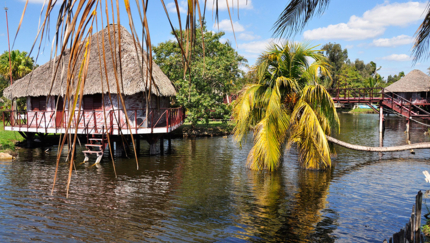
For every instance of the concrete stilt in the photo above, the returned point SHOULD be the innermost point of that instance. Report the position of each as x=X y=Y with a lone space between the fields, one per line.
x=137 y=144
x=161 y=145
x=169 y=143
x=153 y=148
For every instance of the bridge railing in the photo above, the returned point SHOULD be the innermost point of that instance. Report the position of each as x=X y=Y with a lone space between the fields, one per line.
x=394 y=100
x=364 y=94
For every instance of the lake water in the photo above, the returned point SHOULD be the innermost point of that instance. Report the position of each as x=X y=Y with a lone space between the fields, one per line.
x=203 y=192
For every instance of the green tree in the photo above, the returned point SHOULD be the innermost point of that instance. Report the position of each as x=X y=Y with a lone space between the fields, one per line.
x=287 y=106
x=3 y=84
x=21 y=64
x=216 y=70
x=395 y=78
x=336 y=58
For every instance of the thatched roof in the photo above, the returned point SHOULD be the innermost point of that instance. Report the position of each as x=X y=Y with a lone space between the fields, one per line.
x=38 y=82
x=415 y=81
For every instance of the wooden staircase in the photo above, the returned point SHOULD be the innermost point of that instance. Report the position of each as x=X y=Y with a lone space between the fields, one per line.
x=95 y=145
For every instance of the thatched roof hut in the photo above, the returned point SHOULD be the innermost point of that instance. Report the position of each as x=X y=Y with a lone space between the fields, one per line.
x=415 y=81
x=38 y=82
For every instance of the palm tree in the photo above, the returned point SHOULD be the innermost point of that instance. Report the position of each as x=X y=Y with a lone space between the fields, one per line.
x=287 y=106
x=298 y=12
x=21 y=64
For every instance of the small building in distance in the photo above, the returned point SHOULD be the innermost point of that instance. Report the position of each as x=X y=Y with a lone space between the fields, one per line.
x=415 y=87
x=100 y=113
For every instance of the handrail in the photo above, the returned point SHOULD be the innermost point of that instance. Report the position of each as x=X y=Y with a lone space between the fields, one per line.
x=90 y=121
x=407 y=101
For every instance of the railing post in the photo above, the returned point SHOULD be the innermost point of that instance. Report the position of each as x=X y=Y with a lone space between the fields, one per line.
x=95 y=121
x=410 y=107
x=167 y=120
x=401 y=107
x=135 y=119
x=36 y=120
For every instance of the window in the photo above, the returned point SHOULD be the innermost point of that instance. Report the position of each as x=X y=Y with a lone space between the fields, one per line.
x=38 y=103
x=93 y=102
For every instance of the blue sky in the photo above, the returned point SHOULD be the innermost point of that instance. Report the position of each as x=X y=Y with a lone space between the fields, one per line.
x=379 y=31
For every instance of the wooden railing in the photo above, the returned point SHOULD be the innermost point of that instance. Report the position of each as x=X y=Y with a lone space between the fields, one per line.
x=363 y=94
x=402 y=105
x=93 y=121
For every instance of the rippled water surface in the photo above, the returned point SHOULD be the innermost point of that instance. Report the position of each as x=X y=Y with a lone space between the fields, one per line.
x=202 y=192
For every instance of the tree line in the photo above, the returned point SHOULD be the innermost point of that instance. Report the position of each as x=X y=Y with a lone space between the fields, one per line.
x=352 y=74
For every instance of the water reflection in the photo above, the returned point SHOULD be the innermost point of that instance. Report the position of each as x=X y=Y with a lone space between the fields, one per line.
x=202 y=192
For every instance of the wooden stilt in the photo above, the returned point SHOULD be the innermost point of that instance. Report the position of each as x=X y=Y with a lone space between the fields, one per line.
x=408 y=125
x=381 y=119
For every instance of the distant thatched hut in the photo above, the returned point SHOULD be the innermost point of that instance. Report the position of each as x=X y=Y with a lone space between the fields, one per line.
x=414 y=86
x=48 y=114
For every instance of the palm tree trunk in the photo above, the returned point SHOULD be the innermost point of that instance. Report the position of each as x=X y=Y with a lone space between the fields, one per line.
x=378 y=149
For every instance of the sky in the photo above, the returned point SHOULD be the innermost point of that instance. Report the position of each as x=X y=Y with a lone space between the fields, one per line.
x=371 y=30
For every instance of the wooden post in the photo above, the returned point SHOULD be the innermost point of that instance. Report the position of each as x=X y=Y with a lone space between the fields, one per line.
x=381 y=118
x=411 y=232
x=407 y=125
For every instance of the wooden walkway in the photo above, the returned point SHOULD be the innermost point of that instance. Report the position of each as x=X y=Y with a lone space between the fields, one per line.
x=392 y=101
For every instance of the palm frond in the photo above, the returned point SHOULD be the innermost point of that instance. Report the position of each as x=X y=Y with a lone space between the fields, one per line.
x=296 y=15
x=420 y=49
x=308 y=133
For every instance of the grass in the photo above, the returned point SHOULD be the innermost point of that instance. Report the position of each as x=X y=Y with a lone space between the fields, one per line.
x=8 y=139
x=362 y=110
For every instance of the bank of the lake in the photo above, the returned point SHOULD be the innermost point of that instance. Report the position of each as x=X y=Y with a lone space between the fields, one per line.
x=213 y=129
x=8 y=139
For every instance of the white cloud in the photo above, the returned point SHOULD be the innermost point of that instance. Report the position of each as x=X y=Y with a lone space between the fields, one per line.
x=222 y=4
x=248 y=36
x=171 y=7
x=258 y=47
x=372 y=23
x=349 y=46
x=395 y=41
x=341 y=31
x=225 y=25
x=2 y=34
x=397 y=57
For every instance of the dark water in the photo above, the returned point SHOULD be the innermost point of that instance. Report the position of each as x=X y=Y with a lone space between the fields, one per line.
x=203 y=193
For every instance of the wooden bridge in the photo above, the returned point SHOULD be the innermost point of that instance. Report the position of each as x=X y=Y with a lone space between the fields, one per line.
x=399 y=105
